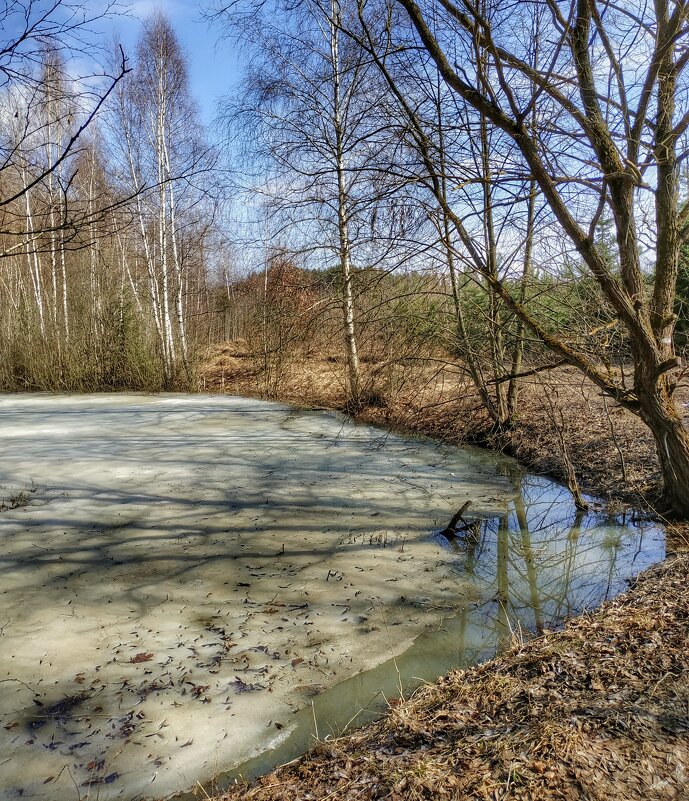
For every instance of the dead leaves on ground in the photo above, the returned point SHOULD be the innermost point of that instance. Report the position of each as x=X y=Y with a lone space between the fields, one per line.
x=142 y=657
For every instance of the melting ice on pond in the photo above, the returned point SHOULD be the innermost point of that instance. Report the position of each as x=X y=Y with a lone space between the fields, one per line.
x=183 y=576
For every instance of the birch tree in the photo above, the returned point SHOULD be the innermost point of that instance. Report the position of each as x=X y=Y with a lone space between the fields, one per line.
x=162 y=158
x=311 y=108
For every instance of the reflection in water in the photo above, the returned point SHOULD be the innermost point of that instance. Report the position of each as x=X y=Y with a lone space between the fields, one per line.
x=541 y=562
x=548 y=560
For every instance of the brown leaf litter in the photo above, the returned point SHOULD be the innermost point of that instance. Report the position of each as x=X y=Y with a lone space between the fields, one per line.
x=598 y=711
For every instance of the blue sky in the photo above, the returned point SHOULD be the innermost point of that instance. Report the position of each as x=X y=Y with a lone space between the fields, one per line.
x=213 y=64
x=213 y=61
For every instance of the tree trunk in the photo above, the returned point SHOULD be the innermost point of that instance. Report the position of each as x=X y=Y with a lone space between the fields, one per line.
x=351 y=344
x=494 y=327
x=176 y=258
x=661 y=415
x=527 y=269
x=464 y=346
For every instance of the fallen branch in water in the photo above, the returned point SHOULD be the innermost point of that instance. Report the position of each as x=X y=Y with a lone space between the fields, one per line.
x=451 y=529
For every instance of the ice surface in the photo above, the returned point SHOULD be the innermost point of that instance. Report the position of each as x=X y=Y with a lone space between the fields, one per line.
x=191 y=570
x=182 y=576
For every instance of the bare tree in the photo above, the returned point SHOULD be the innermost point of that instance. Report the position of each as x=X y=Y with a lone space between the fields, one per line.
x=162 y=161
x=467 y=165
x=313 y=117
x=30 y=29
x=613 y=77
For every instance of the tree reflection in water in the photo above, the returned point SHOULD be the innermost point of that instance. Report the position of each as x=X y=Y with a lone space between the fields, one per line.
x=545 y=560
x=540 y=562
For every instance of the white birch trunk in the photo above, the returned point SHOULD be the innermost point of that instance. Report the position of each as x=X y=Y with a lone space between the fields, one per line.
x=32 y=258
x=342 y=214
x=179 y=296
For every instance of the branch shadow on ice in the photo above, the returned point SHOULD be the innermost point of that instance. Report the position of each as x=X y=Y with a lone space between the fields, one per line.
x=142 y=552
x=106 y=529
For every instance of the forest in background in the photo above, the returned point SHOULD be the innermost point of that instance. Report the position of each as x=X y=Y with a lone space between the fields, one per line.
x=398 y=189
x=108 y=223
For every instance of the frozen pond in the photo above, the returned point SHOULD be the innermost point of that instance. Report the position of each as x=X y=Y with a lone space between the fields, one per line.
x=192 y=584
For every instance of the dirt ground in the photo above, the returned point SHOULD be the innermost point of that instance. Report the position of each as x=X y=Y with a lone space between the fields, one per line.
x=599 y=710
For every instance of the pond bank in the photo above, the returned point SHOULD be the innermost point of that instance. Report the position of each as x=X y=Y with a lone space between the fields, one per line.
x=598 y=710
